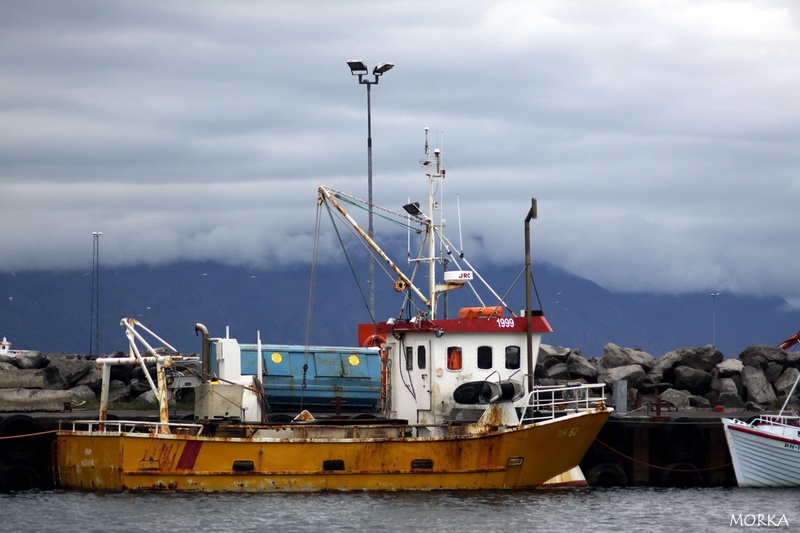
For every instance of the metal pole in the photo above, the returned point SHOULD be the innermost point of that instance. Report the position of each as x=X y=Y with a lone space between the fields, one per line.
x=94 y=321
x=532 y=214
x=714 y=319
x=370 y=228
x=358 y=68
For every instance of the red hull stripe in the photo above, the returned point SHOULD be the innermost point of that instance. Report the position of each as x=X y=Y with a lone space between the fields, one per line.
x=189 y=455
x=764 y=435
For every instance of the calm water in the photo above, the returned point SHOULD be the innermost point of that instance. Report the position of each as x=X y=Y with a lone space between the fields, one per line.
x=631 y=509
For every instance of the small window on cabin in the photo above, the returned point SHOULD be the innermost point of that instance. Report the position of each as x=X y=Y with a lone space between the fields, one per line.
x=454 y=358
x=484 y=357
x=512 y=357
x=421 y=357
x=409 y=358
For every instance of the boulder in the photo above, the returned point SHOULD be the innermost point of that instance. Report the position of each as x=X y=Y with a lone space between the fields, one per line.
x=759 y=356
x=93 y=379
x=731 y=400
x=786 y=381
x=712 y=397
x=558 y=371
x=676 y=398
x=580 y=368
x=615 y=356
x=691 y=379
x=71 y=368
x=82 y=394
x=30 y=359
x=549 y=349
x=146 y=397
x=699 y=402
x=139 y=386
x=701 y=358
x=729 y=367
x=149 y=397
x=662 y=370
x=118 y=391
x=772 y=371
x=793 y=359
x=633 y=374
x=758 y=388
x=724 y=385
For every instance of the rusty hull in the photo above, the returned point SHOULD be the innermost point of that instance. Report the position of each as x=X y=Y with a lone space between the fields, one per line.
x=313 y=458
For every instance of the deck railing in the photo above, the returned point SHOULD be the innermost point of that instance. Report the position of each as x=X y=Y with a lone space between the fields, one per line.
x=131 y=426
x=550 y=402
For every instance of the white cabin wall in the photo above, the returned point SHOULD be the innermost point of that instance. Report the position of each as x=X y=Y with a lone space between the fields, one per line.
x=431 y=404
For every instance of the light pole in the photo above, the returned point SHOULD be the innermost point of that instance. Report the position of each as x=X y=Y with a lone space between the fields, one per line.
x=714 y=318
x=358 y=68
x=94 y=323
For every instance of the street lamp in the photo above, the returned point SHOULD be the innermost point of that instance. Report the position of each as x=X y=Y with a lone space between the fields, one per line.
x=714 y=318
x=358 y=68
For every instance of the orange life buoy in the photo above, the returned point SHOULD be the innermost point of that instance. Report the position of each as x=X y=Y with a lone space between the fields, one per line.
x=374 y=341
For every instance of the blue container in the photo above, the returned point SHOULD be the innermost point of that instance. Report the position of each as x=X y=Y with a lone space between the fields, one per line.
x=347 y=379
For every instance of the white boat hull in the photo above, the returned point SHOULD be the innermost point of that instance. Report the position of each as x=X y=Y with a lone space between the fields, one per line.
x=764 y=453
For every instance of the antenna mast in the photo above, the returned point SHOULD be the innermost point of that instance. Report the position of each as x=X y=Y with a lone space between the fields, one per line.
x=430 y=225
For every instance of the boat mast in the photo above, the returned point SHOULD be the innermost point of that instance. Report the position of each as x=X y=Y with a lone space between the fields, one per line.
x=430 y=226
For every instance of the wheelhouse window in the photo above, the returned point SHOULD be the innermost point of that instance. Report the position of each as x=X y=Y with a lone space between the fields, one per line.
x=422 y=357
x=512 y=357
x=484 y=357
x=409 y=358
x=454 y=358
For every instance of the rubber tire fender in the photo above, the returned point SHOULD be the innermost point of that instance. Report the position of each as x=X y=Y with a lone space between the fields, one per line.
x=684 y=440
x=15 y=478
x=606 y=475
x=14 y=451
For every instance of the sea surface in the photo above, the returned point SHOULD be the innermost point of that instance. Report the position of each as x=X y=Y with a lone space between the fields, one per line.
x=582 y=510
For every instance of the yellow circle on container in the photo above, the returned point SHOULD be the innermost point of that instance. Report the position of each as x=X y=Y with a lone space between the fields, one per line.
x=276 y=357
x=353 y=359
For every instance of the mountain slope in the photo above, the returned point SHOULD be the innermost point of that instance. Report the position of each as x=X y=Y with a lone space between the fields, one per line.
x=50 y=311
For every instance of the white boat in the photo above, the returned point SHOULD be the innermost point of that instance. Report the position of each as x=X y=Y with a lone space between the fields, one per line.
x=765 y=450
x=5 y=348
x=456 y=405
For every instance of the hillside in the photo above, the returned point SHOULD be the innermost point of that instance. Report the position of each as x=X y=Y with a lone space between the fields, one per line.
x=50 y=311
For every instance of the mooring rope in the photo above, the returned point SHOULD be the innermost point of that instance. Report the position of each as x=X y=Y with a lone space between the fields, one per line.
x=28 y=435
x=662 y=467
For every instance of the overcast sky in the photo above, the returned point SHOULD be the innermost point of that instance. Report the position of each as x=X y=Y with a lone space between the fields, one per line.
x=660 y=138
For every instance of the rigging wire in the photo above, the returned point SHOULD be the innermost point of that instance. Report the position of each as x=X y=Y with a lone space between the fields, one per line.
x=349 y=262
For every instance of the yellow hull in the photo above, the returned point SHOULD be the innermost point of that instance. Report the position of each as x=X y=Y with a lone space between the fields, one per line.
x=336 y=458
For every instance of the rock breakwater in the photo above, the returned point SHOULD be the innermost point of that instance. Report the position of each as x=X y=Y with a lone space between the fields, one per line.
x=760 y=377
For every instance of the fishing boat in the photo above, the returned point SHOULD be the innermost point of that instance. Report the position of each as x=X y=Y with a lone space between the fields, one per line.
x=765 y=450
x=423 y=402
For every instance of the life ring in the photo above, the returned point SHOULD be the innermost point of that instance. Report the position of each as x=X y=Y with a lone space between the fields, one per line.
x=683 y=439
x=374 y=341
x=400 y=285
x=606 y=475
x=22 y=449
